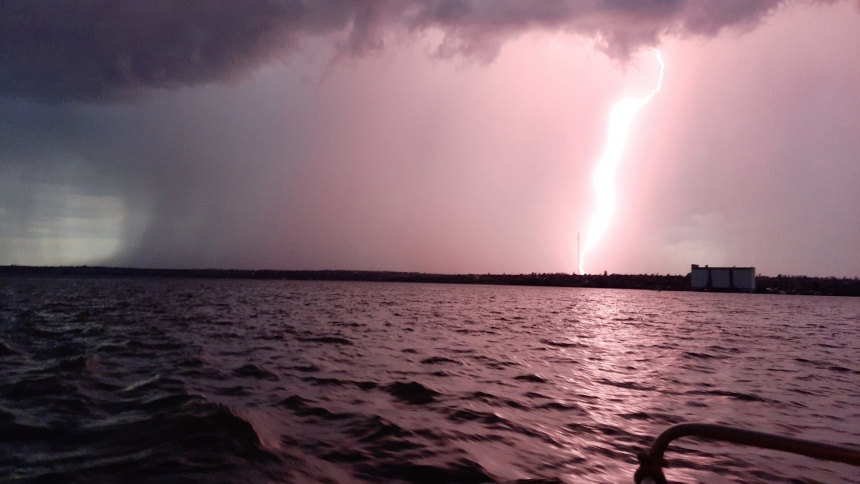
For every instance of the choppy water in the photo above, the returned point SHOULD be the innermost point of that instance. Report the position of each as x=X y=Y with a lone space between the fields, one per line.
x=266 y=381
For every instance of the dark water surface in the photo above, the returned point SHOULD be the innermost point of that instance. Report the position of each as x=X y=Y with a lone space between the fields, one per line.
x=149 y=380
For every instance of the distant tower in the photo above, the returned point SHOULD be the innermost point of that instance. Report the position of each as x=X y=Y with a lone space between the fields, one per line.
x=577 y=254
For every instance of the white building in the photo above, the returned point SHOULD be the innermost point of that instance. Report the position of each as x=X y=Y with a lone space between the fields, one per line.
x=723 y=278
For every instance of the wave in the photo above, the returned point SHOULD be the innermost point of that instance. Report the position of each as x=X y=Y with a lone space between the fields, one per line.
x=173 y=435
x=412 y=392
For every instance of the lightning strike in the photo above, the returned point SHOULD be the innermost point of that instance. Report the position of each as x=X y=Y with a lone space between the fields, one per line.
x=620 y=120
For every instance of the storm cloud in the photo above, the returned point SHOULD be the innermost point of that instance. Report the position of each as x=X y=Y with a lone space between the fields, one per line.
x=105 y=50
x=436 y=135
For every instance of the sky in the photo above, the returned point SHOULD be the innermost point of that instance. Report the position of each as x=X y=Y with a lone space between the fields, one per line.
x=451 y=136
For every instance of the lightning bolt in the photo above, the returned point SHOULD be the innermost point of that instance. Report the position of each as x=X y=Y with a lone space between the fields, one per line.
x=620 y=120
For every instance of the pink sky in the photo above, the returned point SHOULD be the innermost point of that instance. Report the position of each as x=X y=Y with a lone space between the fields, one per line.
x=745 y=158
x=398 y=160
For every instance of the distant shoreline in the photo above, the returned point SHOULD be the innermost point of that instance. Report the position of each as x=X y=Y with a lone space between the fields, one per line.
x=829 y=286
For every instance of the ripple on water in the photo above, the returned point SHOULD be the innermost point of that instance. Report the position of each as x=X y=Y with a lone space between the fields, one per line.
x=265 y=381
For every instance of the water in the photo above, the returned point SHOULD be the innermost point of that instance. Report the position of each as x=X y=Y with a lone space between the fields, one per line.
x=149 y=380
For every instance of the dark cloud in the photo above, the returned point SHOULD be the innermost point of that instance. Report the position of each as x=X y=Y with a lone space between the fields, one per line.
x=105 y=50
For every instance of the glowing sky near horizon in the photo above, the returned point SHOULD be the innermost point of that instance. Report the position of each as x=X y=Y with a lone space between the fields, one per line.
x=605 y=187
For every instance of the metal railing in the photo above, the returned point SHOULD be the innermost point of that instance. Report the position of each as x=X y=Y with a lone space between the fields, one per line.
x=651 y=464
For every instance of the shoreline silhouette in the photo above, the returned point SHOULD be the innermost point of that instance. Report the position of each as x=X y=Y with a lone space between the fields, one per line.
x=781 y=284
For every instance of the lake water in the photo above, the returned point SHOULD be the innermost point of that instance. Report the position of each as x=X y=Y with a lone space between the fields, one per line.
x=153 y=380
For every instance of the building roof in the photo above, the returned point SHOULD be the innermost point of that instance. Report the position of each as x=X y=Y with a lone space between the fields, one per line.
x=696 y=266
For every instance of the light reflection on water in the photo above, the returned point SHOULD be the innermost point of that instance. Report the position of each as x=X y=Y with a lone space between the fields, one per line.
x=392 y=382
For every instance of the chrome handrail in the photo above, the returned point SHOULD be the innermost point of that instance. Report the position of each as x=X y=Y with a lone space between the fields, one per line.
x=651 y=464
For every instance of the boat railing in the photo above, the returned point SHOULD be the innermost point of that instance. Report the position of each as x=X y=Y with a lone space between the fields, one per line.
x=651 y=464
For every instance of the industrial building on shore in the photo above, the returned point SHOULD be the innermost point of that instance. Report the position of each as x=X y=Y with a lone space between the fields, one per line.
x=723 y=278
